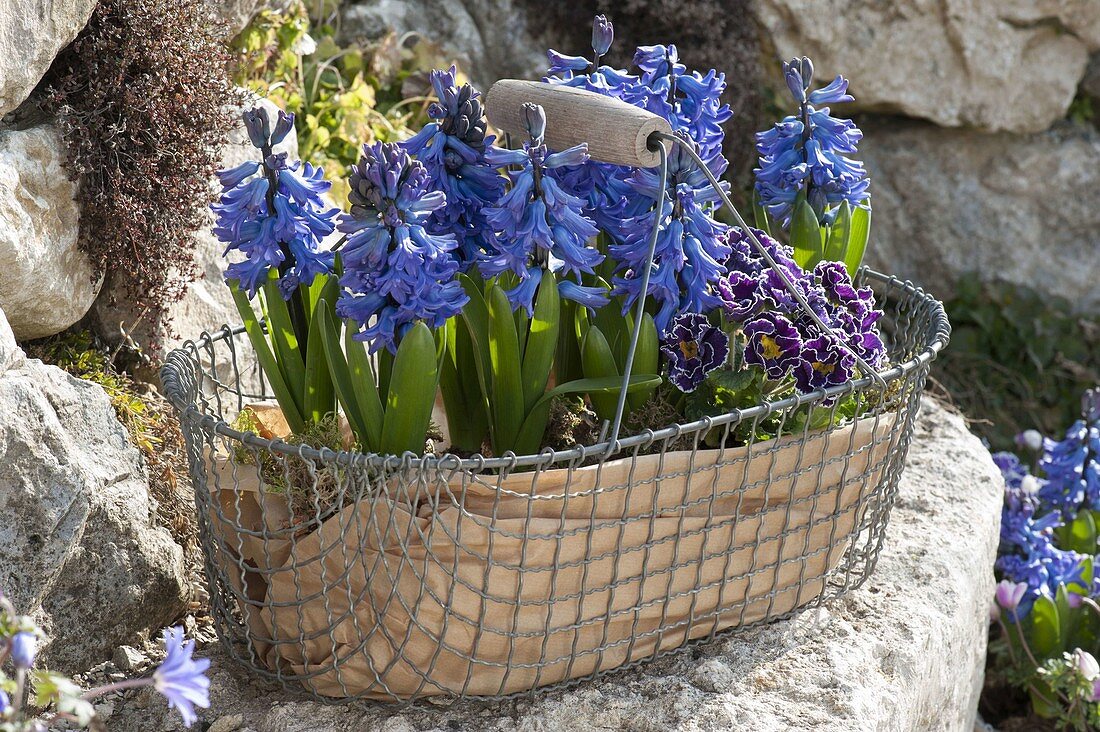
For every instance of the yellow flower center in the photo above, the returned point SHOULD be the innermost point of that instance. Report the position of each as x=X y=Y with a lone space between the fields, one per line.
x=690 y=349
x=825 y=368
x=770 y=348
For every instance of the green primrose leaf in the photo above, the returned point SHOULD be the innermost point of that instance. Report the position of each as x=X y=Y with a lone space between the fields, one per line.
x=504 y=359
x=542 y=342
x=411 y=394
x=857 y=239
x=266 y=359
x=837 y=242
x=806 y=236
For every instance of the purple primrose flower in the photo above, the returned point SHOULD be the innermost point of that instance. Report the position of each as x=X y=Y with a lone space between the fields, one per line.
x=693 y=348
x=774 y=344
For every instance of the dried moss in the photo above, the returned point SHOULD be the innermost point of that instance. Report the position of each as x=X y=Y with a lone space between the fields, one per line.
x=142 y=98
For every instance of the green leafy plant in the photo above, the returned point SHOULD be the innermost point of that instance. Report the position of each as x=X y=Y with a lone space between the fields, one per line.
x=513 y=358
x=1019 y=359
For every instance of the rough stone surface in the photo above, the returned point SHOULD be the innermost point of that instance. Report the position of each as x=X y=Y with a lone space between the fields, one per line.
x=31 y=34
x=79 y=548
x=992 y=64
x=905 y=652
x=489 y=38
x=1090 y=84
x=46 y=282
x=1021 y=208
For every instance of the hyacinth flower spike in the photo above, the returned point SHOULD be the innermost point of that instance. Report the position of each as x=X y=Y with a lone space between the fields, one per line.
x=806 y=178
x=453 y=149
x=273 y=213
x=541 y=225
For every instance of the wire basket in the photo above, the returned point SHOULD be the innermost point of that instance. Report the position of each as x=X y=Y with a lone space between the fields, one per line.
x=397 y=577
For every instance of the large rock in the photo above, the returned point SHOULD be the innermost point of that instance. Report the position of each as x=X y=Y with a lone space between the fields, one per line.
x=906 y=652
x=46 y=282
x=954 y=202
x=993 y=64
x=489 y=38
x=79 y=547
x=31 y=34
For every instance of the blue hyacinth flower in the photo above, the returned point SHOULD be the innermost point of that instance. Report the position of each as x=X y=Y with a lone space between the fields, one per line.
x=453 y=149
x=273 y=212
x=541 y=224
x=396 y=272
x=808 y=154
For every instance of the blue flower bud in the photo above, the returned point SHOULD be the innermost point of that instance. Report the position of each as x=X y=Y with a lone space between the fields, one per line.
x=807 y=69
x=258 y=126
x=535 y=117
x=793 y=76
x=282 y=127
x=603 y=33
x=23 y=648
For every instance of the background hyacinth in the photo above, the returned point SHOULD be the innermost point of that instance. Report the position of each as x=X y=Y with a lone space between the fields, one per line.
x=395 y=270
x=1039 y=508
x=687 y=261
x=453 y=149
x=781 y=339
x=807 y=153
x=541 y=224
x=272 y=212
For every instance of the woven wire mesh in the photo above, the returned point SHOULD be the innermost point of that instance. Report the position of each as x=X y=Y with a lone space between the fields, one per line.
x=395 y=578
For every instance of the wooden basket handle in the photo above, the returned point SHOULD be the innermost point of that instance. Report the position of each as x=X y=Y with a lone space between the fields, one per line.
x=616 y=132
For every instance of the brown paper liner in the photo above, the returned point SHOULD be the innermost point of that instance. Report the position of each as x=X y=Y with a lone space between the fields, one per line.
x=494 y=586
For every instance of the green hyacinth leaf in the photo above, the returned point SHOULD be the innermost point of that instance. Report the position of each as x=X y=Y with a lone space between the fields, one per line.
x=598 y=362
x=542 y=341
x=857 y=240
x=760 y=215
x=645 y=360
x=806 y=236
x=836 y=246
x=266 y=358
x=365 y=385
x=411 y=394
x=505 y=365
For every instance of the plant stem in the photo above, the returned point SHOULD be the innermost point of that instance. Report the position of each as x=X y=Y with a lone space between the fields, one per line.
x=117 y=686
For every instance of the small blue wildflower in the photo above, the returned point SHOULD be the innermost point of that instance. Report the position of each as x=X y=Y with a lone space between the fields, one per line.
x=687 y=261
x=453 y=149
x=180 y=678
x=807 y=154
x=541 y=225
x=395 y=271
x=693 y=348
x=272 y=212
x=5 y=703
x=23 y=648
